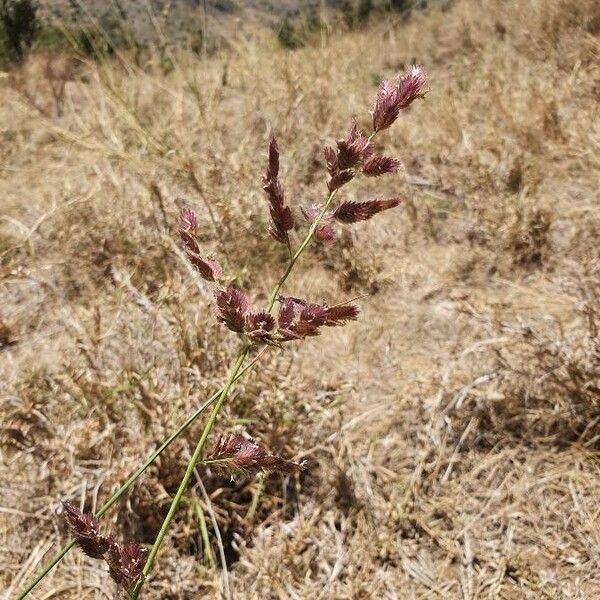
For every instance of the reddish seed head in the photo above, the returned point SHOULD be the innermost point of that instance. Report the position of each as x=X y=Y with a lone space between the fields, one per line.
x=341 y=314
x=242 y=454
x=188 y=220
x=310 y=213
x=393 y=96
x=84 y=527
x=273 y=164
x=259 y=327
x=380 y=165
x=325 y=232
x=125 y=562
x=340 y=178
x=208 y=268
x=282 y=219
x=350 y=154
x=235 y=311
x=353 y=150
x=232 y=308
x=313 y=315
x=347 y=212
x=211 y=269
x=330 y=158
x=298 y=319
x=286 y=314
x=352 y=212
x=189 y=243
x=410 y=86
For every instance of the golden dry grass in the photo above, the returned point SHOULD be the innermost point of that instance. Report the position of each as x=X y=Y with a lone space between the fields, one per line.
x=452 y=432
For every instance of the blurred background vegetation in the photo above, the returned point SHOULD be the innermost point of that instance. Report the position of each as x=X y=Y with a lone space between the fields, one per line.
x=99 y=28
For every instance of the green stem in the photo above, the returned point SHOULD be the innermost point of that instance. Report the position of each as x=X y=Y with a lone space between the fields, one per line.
x=208 y=554
x=298 y=253
x=130 y=481
x=217 y=407
x=189 y=471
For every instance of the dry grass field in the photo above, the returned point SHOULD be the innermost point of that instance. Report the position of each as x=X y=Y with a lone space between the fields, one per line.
x=451 y=433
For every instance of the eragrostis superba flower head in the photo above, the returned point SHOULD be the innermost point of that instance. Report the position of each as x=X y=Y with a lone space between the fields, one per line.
x=395 y=94
x=125 y=560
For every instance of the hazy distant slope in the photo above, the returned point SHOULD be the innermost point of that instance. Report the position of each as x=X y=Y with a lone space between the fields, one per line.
x=185 y=12
x=179 y=18
x=266 y=9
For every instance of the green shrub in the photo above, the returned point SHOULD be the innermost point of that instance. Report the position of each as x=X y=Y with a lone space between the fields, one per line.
x=19 y=25
x=288 y=35
x=364 y=9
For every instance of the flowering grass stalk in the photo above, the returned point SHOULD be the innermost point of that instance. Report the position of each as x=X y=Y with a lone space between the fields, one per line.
x=296 y=319
x=215 y=411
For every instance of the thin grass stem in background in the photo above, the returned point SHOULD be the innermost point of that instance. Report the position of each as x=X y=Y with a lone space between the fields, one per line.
x=204 y=533
x=213 y=520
